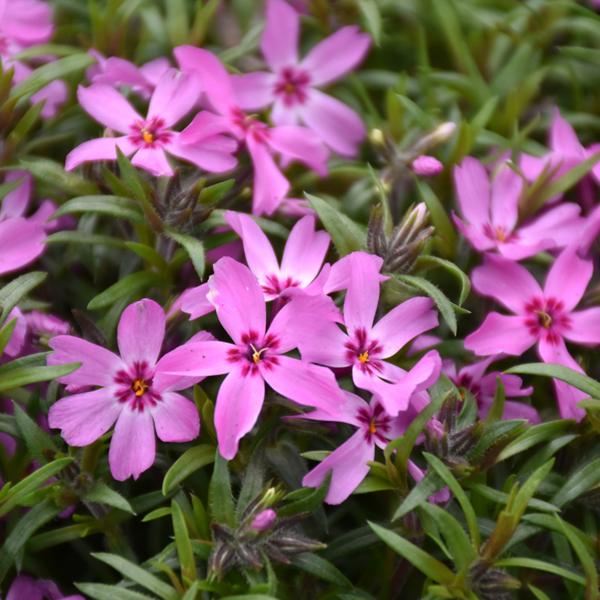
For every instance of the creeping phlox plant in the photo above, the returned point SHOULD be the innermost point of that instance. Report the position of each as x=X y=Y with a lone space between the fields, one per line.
x=299 y=299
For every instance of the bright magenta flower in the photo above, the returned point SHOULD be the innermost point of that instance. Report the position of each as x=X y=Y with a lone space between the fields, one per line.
x=134 y=391
x=257 y=354
x=150 y=139
x=491 y=211
x=365 y=346
x=291 y=87
x=292 y=142
x=545 y=317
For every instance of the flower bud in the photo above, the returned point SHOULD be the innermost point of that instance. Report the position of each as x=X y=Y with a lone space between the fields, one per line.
x=426 y=166
x=438 y=136
x=264 y=520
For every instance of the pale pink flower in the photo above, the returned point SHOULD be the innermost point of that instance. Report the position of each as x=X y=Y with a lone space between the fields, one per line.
x=150 y=139
x=292 y=142
x=292 y=85
x=490 y=210
x=134 y=391
x=542 y=317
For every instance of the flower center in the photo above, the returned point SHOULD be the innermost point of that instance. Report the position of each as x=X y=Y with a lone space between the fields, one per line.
x=274 y=286
x=151 y=133
x=139 y=387
x=546 y=317
x=147 y=136
x=363 y=357
x=372 y=426
x=363 y=352
x=292 y=86
x=252 y=352
x=134 y=387
x=375 y=423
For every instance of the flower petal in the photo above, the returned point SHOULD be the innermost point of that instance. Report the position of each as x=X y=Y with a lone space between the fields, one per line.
x=362 y=296
x=404 y=323
x=300 y=144
x=500 y=333
x=141 y=332
x=98 y=365
x=563 y=137
x=83 y=418
x=336 y=55
x=153 y=160
x=473 y=191
x=584 y=326
x=108 y=107
x=133 y=446
x=203 y=156
x=176 y=418
x=175 y=95
x=15 y=203
x=348 y=466
x=507 y=282
x=194 y=359
x=254 y=91
x=22 y=241
x=98 y=149
x=279 y=42
x=506 y=189
x=195 y=303
x=568 y=277
x=557 y=227
x=340 y=127
x=238 y=405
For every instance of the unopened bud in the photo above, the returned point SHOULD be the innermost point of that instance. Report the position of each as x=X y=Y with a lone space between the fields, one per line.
x=264 y=520
x=438 y=136
x=376 y=137
x=426 y=166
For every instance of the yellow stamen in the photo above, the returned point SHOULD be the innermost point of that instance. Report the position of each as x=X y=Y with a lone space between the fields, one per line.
x=139 y=387
x=147 y=136
x=500 y=234
x=289 y=88
x=544 y=318
x=363 y=357
x=372 y=427
x=256 y=354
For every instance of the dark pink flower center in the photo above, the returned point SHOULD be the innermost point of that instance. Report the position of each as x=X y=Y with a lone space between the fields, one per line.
x=292 y=86
x=249 y=125
x=151 y=133
x=363 y=352
x=275 y=286
x=253 y=353
x=499 y=233
x=135 y=386
x=375 y=423
x=546 y=317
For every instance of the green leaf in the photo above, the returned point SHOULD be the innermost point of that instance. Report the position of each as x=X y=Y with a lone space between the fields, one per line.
x=12 y=293
x=445 y=233
x=579 y=482
x=114 y=206
x=78 y=237
x=248 y=597
x=528 y=489
x=12 y=378
x=427 y=564
x=6 y=333
x=103 y=494
x=502 y=498
x=441 y=301
x=189 y=462
x=581 y=382
x=419 y=494
x=101 y=591
x=426 y=262
x=138 y=575
x=534 y=435
x=194 y=248
x=128 y=286
x=38 y=442
x=372 y=19
x=220 y=498
x=53 y=173
x=56 y=69
x=497 y=408
x=183 y=544
x=321 y=568
x=539 y=565
x=347 y=236
x=157 y=513
x=203 y=21
x=305 y=500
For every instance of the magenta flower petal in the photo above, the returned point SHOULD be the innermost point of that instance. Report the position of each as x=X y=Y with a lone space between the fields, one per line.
x=500 y=333
x=404 y=323
x=257 y=248
x=254 y=91
x=340 y=127
x=507 y=282
x=304 y=251
x=326 y=346
x=141 y=332
x=175 y=95
x=201 y=155
x=279 y=42
x=362 y=296
x=197 y=359
x=568 y=278
x=238 y=405
x=153 y=160
x=558 y=226
x=98 y=149
x=473 y=189
x=336 y=55
x=584 y=326
x=194 y=301
x=176 y=418
x=22 y=241
x=505 y=192
x=478 y=239
x=237 y=298
x=302 y=382
x=99 y=366
x=108 y=107
x=347 y=465
x=301 y=144
x=15 y=203
x=563 y=138
x=133 y=446
x=204 y=125
x=83 y=418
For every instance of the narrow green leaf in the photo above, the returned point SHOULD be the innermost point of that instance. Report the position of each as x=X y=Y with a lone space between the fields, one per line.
x=220 y=498
x=114 y=206
x=157 y=513
x=38 y=442
x=53 y=173
x=533 y=435
x=426 y=262
x=539 y=565
x=321 y=568
x=579 y=482
x=6 y=333
x=78 y=237
x=103 y=494
x=102 y=591
x=445 y=233
x=372 y=19
x=12 y=293
x=189 y=462
x=194 y=248
x=305 y=500
x=128 y=286
x=183 y=544
x=11 y=378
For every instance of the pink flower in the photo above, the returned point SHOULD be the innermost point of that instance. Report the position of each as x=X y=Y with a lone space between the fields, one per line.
x=491 y=212
x=257 y=355
x=565 y=152
x=25 y=587
x=292 y=142
x=118 y=72
x=134 y=391
x=150 y=139
x=292 y=84
x=483 y=386
x=365 y=345
x=426 y=166
x=541 y=317
x=302 y=260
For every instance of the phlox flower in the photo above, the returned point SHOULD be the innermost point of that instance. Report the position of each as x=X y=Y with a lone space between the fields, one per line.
x=25 y=587
x=542 y=317
x=292 y=85
x=150 y=139
x=565 y=152
x=303 y=255
x=292 y=142
x=257 y=354
x=133 y=390
x=490 y=214
x=365 y=345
